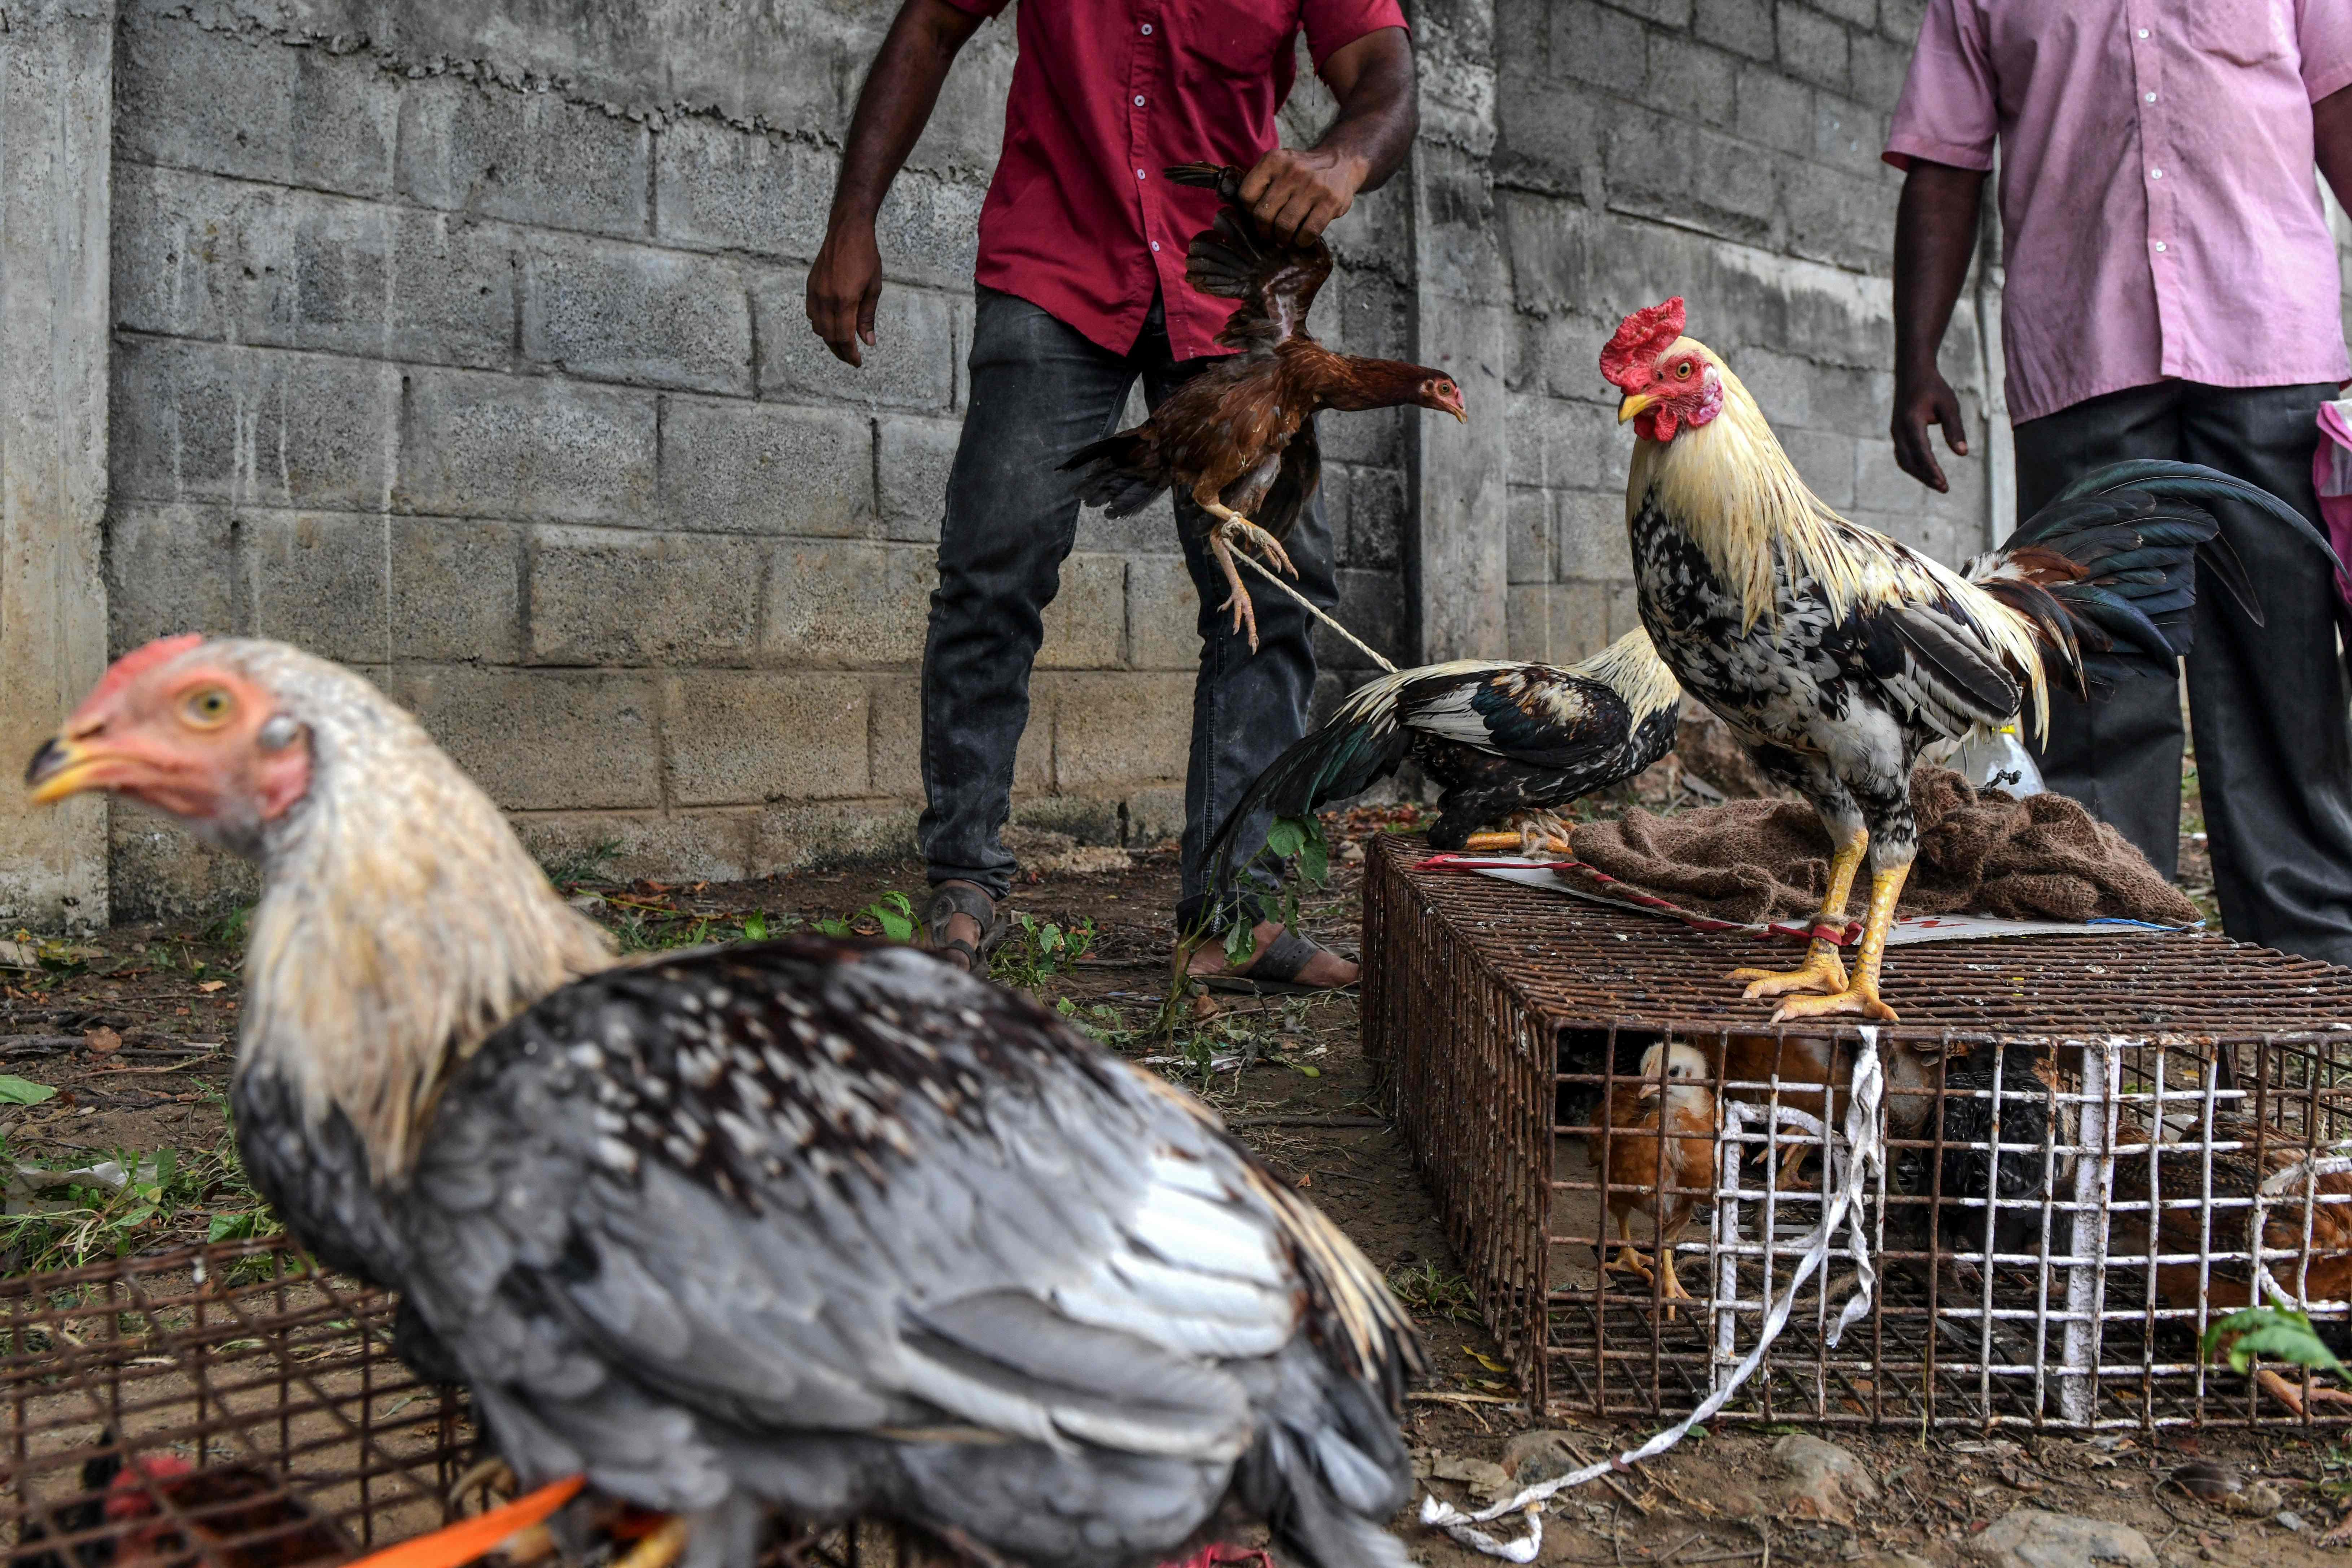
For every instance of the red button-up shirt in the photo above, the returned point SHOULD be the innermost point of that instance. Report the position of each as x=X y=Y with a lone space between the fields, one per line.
x=1078 y=220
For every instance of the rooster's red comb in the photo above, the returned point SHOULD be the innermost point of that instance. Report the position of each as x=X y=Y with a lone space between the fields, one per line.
x=1640 y=338
x=139 y=661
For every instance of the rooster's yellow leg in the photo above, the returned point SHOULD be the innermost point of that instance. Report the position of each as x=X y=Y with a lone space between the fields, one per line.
x=1238 y=600
x=1238 y=531
x=1628 y=1259
x=1822 y=969
x=660 y=1549
x=1540 y=830
x=1862 y=996
x=1673 y=1286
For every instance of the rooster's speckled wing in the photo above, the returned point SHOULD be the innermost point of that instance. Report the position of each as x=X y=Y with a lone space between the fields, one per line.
x=845 y=1227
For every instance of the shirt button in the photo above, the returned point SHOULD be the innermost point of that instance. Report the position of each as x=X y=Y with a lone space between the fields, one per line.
x=1138 y=101
x=2156 y=173
x=2143 y=32
x=1146 y=30
x=2159 y=247
x=2151 y=98
x=1139 y=174
x=1155 y=245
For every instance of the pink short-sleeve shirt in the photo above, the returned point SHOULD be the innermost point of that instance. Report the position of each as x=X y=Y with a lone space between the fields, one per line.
x=2160 y=213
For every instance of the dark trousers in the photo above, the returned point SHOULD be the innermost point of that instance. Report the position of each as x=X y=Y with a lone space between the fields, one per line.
x=1040 y=390
x=2268 y=702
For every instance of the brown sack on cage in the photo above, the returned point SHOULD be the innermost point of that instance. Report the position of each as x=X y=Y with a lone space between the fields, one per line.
x=2044 y=857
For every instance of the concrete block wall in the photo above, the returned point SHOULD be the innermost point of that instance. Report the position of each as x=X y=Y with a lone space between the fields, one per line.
x=1727 y=151
x=495 y=383
x=462 y=340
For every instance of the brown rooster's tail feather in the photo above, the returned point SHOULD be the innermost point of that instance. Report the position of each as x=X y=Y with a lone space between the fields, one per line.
x=1122 y=473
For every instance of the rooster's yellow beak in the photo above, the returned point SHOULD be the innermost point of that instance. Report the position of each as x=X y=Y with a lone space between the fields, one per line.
x=61 y=768
x=1634 y=403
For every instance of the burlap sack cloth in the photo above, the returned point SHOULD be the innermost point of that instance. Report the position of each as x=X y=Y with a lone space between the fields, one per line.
x=2044 y=857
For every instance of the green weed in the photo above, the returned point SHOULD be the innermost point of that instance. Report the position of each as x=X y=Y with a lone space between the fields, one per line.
x=893 y=914
x=14 y=1090
x=1430 y=1291
x=588 y=865
x=134 y=1201
x=230 y=930
x=1036 y=952
x=2279 y=1332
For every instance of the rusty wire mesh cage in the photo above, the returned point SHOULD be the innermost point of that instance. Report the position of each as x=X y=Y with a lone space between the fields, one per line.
x=2082 y=1139
x=237 y=1405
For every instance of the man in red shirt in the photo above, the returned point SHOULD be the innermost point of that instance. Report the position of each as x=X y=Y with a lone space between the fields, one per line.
x=1080 y=291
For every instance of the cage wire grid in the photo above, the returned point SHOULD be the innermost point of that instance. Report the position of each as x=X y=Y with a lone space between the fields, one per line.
x=238 y=1406
x=2080 y=1135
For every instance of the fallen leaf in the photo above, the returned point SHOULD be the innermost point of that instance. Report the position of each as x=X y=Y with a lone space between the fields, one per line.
x=102 y=1042
x=17 y=1091
x=1484 y=1478
x=209 y=986
x=1483 y=1359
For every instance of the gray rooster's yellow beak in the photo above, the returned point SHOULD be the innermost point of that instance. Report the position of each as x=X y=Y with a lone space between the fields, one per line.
x=62 y=768
x=1634 y=403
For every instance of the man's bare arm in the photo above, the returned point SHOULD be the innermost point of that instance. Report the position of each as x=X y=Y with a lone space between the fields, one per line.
x=893 y=107
x=1935 y=235
x=1297 y=193
x=2331 y=137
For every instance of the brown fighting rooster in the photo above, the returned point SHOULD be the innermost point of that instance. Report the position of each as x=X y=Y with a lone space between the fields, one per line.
x=160 y=1512
x=1239 y=438
x=1644 y=1172
x=1838 y=656
x=816 y=1227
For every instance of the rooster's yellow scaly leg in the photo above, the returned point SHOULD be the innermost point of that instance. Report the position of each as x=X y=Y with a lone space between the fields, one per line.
x=1673 y=1286
x=1628 y=1259
x=1823 y=971
x=1238 y=600
x=1862 y=996
x=661 y=1548
x=1239 y=532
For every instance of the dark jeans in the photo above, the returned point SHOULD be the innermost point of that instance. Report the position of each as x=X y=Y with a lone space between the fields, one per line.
x=1039 y=390
x=2269 y=702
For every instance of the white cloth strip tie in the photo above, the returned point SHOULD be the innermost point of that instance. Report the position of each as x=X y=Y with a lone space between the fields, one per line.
x=1864 y=1155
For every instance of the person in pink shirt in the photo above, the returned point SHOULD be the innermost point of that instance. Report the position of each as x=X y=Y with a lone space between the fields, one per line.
x=2171 y=291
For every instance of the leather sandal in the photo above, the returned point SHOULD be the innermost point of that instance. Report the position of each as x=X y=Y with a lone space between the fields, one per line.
x=1274 y=972
x=951 y=898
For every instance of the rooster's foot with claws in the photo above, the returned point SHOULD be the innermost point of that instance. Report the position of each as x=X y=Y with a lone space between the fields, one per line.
x=1823 y=971
x=1857 y=1000
x=1243 y=534
x=1541 y=832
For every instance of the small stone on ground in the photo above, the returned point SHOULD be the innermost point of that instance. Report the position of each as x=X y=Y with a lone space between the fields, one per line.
x=2029 y=1538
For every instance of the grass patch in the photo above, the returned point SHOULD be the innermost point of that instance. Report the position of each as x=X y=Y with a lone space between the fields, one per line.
x=133 y=1201
x=1426 y=1290
x=574 y=867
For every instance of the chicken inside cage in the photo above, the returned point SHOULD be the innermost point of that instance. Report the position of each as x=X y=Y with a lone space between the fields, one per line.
x=2030 y=1231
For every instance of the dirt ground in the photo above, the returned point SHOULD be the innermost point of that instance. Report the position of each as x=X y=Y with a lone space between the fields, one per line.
x=130 y=1031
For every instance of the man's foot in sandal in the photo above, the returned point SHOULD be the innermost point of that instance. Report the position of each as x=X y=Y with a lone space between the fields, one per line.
x=1284 y=964
x=963 y=924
